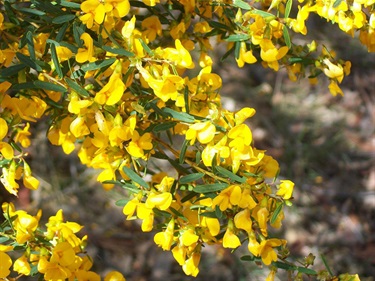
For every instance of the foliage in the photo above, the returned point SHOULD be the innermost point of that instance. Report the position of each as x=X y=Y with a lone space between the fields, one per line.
x=129 y=84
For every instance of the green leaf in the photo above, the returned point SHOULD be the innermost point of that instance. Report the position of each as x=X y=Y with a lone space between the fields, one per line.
x=11 y=70
x=69 y=4
x=288 y=8
x=29 y=62
x=285 y=266
x=50 y=86
x=230 y=175
x=30 y=44
x=97 y=64
x=237 y=37
x=146 y=48
x=247 y=258
x=56 y=61
x=337 y=3
x=118 y=51
x=188 y=197
x=60 y=35
x=218 y=25
x=263 y=14
x=326 y=264
x=207 y=188
x=30 y=11
x=181 y=158
x=306 y=270
x=279 y=207
x=241 y=4
x=77 y=88
x=122 y=202
x=163 y=126
x=209 y=214
x=287 y=37
x=64 y=18
x=3 y=239
x=191 y=178
x=237 y=48
x=182 y=116
x=135 y=177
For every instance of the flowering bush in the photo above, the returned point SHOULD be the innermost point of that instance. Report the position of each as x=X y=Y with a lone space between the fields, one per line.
x=126 y=83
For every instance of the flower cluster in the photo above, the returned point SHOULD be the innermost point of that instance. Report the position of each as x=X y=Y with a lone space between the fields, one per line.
x=119 y=81
x=57 y=252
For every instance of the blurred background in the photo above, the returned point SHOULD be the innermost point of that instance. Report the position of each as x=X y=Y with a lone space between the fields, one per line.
x=325 y=144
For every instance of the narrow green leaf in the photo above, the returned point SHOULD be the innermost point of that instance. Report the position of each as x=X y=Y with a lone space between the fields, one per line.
x=69 y=4
x=97 y=64
x=276 y=212
x=209 y=214
x=191 y=178
x=307 y=271
x=56 y=61
x=237 y=37
x=118 y=51
x=63 y=18
x=30 y=11
x=241 y=4
x=3 y=239
x=263 y=14
x=135 y=177
x=230 y=175
x=237 y=48
x=30 y=44
x=218 y=25
x=183 y=151
x=146 y=48
x=285 y=266
x=122 y=202
x=28 y=61
x=50 y=86
x=182 y=116
x=11 y=70
x=186 y=99
x=163 y=126
x=207 y=188
x=77 y=88
x=60 y=35
x=247 y=258
x=288 y=8
x=178 y=214
x=326 y=264
x=337 y=3
x=287 y=37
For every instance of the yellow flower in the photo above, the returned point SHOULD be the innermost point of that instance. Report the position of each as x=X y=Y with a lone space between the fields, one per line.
x=245 y=56
x=138 y=144
x=87 y=53
x=285 y=189
x=161 y=201
x=190 y=266
x=212 y=224
x=231 y=240
x=114 y=276
x=267 y=252
x=164 y=239
x=189 y=237
x=243 y=221
x=112 y=92
x=63 y=53
x=270 y=54
x=22 y=265
x=153 y=27
x=204 y=132
x=227 y=197
x=333 y=71
x=5 y=264
x=334 y=88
